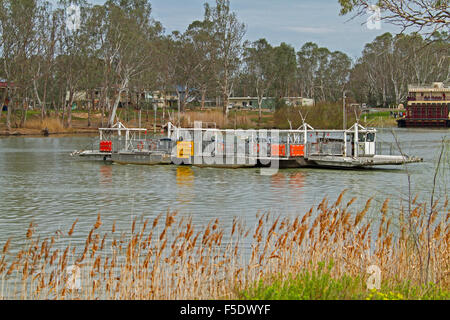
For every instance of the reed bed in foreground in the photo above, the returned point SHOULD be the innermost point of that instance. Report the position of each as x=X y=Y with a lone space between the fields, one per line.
x=171 y=258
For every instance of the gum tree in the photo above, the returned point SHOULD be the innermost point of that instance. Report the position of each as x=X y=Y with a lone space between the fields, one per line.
x=319 y=68
x=411 y=15
x=286 y=65
x=19 y=21
x=72 y=54
x=42 y=66
x=261 y=68
x=226 y=35
x=198 y=34
x=128 y=48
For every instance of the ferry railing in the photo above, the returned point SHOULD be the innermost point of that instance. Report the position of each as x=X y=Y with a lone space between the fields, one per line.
x=386 y=148
x=93 y=144
x=265 y=148
x=142 y=145
x=326 y=148
x=317 y=142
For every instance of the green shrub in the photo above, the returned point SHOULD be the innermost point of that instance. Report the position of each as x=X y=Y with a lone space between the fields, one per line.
x=322 y=115
x=320 y=285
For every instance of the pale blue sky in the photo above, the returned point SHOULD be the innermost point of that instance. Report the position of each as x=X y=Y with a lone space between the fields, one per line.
x=292 y=21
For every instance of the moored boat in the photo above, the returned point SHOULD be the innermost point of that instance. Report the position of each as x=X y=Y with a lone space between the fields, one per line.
x=355 y=147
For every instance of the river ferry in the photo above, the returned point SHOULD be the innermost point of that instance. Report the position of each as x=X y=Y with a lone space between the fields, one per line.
x=356 y=147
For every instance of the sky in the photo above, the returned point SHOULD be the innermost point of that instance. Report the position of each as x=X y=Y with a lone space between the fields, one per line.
x=294 y=22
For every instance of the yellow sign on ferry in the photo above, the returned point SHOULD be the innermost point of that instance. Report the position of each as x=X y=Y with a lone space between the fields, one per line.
x=185 y=149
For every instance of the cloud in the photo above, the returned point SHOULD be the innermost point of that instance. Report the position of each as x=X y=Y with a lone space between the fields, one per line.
x=314 y=30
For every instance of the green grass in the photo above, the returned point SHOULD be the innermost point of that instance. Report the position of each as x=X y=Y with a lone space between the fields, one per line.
x=31 y=113
x=320 y=285
x=406 y=291
x=379 y=119
x=315 y=285
x=382 y=114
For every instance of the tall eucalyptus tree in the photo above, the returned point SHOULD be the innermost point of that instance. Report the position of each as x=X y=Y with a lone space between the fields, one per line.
x=227 y=34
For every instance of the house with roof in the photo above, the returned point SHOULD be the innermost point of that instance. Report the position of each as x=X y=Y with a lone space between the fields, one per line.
x=267 y=102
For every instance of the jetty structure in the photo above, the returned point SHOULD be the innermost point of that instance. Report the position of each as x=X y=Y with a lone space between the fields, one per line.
x=355 y=147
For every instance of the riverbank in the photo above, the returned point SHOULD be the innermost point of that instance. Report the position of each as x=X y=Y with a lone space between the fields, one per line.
x=38 y=132
x=53 y=125
x=331 y=247
x=237 y=118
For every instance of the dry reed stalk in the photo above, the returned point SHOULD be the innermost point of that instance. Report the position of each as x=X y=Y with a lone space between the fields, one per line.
x=362 y=213
x=351 y=202
x=384 y=207
x=339 y=199
x=30 y=231
x=6 y=246
x=98 y=223
x=72 y=228
x=11 y=269
x=103 y=242
x=54 y=256
x=322 y=204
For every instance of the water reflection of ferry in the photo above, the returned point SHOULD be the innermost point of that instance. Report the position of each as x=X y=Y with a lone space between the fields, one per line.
x=185 y=178
x=106 y=174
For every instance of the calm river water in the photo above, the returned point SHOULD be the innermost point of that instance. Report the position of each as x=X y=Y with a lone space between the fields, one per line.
x=41 y=182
